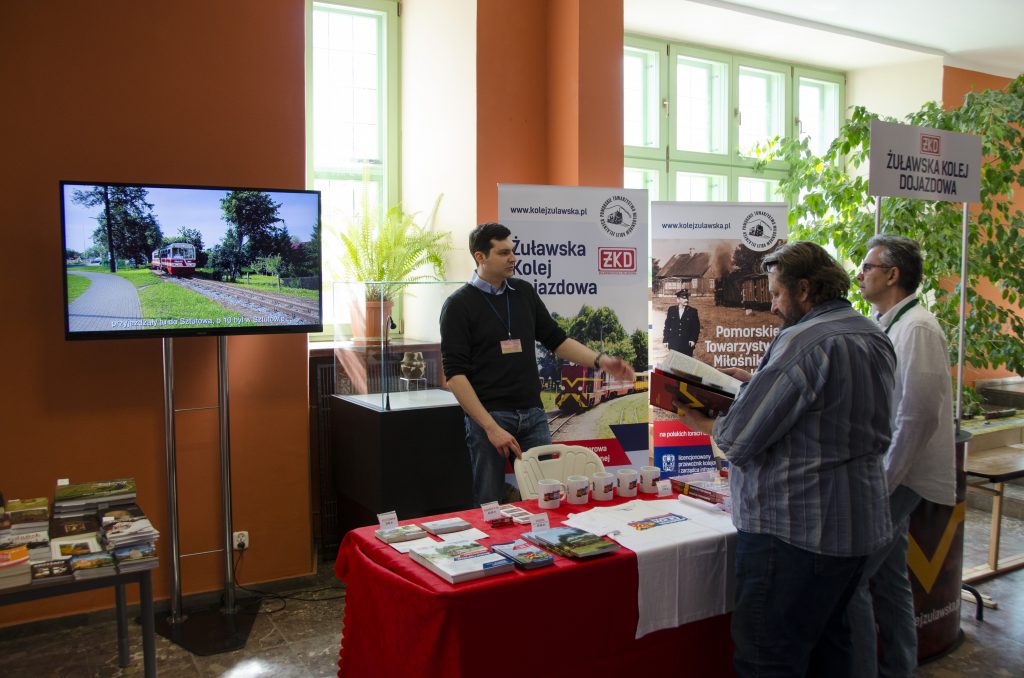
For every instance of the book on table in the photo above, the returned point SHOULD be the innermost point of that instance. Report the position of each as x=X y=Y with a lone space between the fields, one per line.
x=135 y=557
x=401 y=533
x=92 y=565
x=445 y=525
x=461 y=561
x=84 y=498
x=706 y=485
x=15 y=569
x=51 y=570
x=571 y=542
x=124 y=525
x=693 y=384
x=28 y=515
x=524 y=554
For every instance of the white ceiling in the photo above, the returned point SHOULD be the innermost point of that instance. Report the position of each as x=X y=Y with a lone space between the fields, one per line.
x=981 y=35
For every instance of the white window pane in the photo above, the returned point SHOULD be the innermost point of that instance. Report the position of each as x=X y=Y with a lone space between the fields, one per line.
x=762 y=104
x=702 y=187
x=753 y=189
x=701 y=105
x=819 y=113
x=349 y=121
x=364 y=34
x=640 y=98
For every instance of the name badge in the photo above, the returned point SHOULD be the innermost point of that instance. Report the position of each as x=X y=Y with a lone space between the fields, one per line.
x=510 y=346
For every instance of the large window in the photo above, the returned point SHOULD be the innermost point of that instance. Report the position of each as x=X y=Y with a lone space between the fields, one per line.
x=352 y=119
x=693 y=117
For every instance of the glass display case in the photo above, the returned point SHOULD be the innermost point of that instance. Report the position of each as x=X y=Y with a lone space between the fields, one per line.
x=387 y=353
x=398 y=440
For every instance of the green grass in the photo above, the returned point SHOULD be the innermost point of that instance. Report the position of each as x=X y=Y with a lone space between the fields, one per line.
x=77 y=285
x=140 y=277
x=268 y=283
x=172 y=303
x=631 y=409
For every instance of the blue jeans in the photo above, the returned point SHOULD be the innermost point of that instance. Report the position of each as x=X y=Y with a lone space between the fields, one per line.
x=789 y=618
x=884 y=597
x=530 y=428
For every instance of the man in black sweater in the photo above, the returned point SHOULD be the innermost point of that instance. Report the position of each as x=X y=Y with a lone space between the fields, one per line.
x=488 y=330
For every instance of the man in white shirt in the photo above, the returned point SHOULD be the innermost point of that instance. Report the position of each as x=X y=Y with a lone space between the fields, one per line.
x=920 y=462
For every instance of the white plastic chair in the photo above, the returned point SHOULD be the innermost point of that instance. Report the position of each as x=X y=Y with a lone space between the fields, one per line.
x=554 y=461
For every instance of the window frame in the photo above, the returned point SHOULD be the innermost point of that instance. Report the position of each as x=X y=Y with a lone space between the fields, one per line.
x=387 y=176
x=729 y=163
x=657 y=48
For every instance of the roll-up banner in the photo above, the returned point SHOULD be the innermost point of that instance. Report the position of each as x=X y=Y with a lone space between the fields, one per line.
x=584 y=249
x=710 y=299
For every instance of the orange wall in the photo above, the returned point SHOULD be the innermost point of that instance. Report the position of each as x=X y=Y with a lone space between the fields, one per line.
x=192 y=92
x=956 y=83
x=549 y=95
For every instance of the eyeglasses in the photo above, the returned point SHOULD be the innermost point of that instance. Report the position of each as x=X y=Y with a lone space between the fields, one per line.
x=865 y=268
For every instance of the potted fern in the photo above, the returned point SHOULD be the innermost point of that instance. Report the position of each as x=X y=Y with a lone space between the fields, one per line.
x=386 y=253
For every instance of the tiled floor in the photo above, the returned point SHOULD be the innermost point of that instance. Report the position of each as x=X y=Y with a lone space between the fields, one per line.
x=302 y=639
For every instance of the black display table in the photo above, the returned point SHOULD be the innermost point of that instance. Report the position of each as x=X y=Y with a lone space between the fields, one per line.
x=411 y=458
x=23 y=594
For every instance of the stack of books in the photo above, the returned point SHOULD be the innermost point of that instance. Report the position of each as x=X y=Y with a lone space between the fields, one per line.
x=26 y=524
x=126 y=532
x=571 y=542
x=82 y=499
x=51 y=570
x=401 y=533
x=446 y=525
x=461 y=561
x=92 y=565
x=707 y=485
x=14 y=566
x=525 y=555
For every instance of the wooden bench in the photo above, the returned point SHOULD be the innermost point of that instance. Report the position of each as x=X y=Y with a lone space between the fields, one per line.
x=995 y=455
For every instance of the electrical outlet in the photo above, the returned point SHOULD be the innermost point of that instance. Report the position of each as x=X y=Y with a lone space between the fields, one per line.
x=241 y=540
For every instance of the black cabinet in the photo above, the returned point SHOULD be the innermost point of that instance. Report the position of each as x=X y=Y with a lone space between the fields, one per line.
x=411 y=458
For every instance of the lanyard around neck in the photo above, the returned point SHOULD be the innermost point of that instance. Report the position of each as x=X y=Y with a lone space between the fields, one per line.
x=508 y=308
x=900 y=314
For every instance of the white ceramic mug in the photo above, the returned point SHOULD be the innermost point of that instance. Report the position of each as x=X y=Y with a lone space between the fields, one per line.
x=604 y=485
x=550 y=493
x=628 y=480
x=577 y=489
x=649 y=479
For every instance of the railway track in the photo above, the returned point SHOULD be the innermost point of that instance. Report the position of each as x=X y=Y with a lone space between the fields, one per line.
x=255 y=305
x=558 y=420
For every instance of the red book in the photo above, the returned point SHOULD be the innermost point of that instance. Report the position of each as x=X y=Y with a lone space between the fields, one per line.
x=689 y=391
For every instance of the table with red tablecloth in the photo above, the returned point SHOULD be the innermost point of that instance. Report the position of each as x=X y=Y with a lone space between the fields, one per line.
x=576 y=617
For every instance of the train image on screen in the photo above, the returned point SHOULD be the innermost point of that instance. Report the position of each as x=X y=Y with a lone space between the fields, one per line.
x=178 y=258
x=582 y=388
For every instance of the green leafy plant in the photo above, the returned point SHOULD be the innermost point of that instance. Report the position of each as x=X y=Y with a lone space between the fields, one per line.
x=831 y=205
x=393 y=249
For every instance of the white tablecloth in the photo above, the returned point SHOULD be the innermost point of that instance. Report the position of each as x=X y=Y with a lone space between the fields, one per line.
x=685 y=550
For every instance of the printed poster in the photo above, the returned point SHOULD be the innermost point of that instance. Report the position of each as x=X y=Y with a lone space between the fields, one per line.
x=585 y=251
x=709 y=299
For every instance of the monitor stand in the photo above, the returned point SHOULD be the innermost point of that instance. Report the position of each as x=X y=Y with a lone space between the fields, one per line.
x=221 y=629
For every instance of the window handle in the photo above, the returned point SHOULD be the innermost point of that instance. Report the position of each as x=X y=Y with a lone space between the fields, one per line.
x=739 y=117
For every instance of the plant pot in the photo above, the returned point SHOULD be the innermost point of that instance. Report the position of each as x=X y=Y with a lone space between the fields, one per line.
x=371 y=321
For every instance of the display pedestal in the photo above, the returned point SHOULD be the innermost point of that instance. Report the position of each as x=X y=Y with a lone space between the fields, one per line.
x=935 y=564
x=206 y=632
x=411 y=458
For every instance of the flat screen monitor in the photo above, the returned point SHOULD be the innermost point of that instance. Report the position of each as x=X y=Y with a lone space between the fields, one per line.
x=143 y=260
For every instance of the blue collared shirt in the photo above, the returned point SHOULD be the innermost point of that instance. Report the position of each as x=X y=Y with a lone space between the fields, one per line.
x=480 y=283
x=806 y=436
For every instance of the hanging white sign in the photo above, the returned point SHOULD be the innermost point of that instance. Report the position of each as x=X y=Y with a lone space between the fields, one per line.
x=919 y=162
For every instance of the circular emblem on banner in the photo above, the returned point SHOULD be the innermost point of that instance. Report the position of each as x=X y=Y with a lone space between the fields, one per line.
x=618 y=216
x=760 y=232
